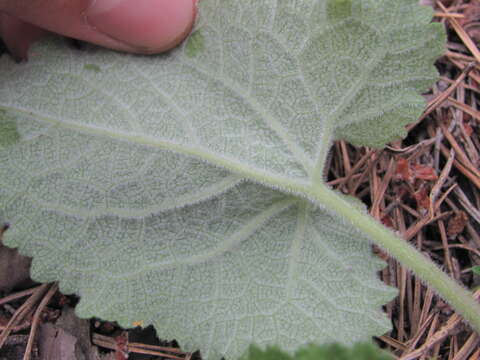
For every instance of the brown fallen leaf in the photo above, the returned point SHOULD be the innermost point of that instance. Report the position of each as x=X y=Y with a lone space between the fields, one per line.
x=421 y=196
x=410 y=172
x=14 y=268
x=57 y=344
x=68 y=339
x=456 y=224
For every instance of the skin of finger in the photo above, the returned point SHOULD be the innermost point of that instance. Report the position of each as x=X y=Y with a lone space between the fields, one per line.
x=68 y=17
x=18 y=35
x=169 y=20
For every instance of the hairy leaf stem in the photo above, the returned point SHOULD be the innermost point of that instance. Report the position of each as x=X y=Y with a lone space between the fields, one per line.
x=457 y=296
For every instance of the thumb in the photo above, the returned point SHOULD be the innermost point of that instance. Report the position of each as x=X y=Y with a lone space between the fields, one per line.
x=141 y=26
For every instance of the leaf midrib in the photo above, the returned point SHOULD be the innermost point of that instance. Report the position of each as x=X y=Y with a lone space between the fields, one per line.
x=343 y=104
x=297 y=186
x=273 y=124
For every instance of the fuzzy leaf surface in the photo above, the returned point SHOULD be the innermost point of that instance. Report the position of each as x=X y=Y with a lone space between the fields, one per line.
x=173 y=189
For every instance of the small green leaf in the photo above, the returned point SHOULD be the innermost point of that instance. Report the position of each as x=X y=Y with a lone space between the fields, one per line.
x=476 y=269
x=361 y=351
x=8 y=130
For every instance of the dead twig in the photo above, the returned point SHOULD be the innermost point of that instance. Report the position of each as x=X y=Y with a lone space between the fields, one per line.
x=462 y=34
x=18 y=295
x=454 y=321
x=437 y=101
x=36 y=320
x=22 y=312
x=166 y=352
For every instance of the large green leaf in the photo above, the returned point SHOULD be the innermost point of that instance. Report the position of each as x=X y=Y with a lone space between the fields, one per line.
x=174 y=189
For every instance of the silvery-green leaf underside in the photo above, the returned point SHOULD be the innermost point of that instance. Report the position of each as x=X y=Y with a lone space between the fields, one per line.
x=170 y=189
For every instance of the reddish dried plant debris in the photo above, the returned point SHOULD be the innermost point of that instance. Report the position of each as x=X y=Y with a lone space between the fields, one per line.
x=466 y=124
x=420 y=194
x=403 y=170
x=457 y=224
x=422 y=198
x=410 y=172
x=387 y=221
x=121 y=350
x=424 y=172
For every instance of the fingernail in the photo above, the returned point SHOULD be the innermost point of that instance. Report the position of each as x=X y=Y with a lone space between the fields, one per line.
x=143 y=24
